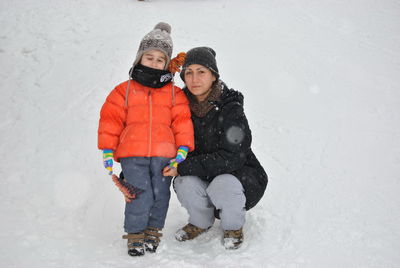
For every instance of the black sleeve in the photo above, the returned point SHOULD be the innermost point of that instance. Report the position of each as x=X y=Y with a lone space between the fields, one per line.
x=231 y=154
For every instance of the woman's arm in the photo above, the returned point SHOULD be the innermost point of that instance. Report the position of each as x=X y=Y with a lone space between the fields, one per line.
x=232 y=148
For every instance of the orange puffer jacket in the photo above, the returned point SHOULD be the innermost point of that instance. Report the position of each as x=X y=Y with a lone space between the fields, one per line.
x=151 y=125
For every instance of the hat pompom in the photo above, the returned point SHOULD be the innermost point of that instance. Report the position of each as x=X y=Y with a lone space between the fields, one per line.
x=163 y=26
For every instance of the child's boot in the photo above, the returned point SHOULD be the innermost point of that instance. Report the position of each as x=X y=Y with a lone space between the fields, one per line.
x=233 y=239
x=135 y=243
x=152 y=238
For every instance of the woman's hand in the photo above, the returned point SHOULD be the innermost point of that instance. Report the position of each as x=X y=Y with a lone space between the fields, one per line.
x=170 y=172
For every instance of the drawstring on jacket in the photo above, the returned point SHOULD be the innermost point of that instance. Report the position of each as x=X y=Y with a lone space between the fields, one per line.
x=173 y=91
x=127 y=88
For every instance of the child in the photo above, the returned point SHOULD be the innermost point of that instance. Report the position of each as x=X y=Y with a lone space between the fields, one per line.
x=143 y=123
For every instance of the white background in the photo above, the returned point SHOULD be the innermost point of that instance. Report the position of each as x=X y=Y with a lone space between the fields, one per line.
x=322 y=96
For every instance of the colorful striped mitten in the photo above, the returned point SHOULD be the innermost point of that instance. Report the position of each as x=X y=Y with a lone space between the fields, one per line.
x=180 y=156
x=108 y=160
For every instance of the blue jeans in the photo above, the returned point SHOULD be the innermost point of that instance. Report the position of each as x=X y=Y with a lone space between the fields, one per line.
x=150 y=207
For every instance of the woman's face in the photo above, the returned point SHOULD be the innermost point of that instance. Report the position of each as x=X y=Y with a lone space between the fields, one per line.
x=199 y=80
x=154 y=59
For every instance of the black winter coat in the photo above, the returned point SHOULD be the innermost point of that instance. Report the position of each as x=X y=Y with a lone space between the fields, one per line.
x=223 y=146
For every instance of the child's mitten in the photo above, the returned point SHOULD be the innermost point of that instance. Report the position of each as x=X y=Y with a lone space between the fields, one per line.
x=108 y=160
x=180 y=156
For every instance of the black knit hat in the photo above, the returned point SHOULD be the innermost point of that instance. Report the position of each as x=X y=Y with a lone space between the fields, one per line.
x=204 y=56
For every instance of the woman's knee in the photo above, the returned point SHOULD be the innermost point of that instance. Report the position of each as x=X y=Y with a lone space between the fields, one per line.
x=225 y=183
x=225 y=189
x=189 y=185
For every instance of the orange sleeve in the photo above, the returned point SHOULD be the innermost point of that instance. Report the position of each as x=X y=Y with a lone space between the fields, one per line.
x=182 y=125
x=112 y=119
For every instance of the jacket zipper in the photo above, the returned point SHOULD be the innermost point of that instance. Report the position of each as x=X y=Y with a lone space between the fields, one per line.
x=150 y=121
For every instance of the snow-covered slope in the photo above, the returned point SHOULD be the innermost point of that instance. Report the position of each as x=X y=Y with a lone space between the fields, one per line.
x=321 y=85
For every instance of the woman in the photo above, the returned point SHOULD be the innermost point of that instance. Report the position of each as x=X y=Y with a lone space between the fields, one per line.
x=221 y=177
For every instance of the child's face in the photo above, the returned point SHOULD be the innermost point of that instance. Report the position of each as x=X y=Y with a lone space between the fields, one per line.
x=154 y=59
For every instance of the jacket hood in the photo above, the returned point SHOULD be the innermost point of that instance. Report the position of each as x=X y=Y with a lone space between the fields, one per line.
x=229 y=95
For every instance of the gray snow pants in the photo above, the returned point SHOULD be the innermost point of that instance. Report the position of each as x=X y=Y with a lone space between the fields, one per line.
x=199 y=197
x=150 y=207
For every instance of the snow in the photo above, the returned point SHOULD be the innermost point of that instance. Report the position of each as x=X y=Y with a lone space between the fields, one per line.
x=321 y=85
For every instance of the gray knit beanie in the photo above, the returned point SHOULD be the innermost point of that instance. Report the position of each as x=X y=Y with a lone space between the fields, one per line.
x=159 y=39
x=204 y=56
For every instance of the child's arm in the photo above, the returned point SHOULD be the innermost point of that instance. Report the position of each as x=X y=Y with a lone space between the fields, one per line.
x=112 y=119
x=182 y=125
x=111 y=123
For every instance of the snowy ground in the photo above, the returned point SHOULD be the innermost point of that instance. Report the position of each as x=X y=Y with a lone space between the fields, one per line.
x=322 y=94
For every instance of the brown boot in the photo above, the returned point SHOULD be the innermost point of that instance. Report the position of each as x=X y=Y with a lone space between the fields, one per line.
x=189 y=232
x=152 y=238
x=135 y=243
x=233 y=239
